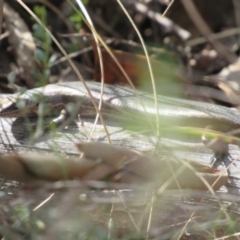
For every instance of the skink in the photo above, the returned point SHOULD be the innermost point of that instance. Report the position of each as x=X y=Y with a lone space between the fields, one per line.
x=172 y=111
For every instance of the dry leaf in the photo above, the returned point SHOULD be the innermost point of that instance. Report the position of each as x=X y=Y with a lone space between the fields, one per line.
x=111 y=163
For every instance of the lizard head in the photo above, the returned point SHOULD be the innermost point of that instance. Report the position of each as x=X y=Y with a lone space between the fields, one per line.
x=8 y=107
x=14 y=106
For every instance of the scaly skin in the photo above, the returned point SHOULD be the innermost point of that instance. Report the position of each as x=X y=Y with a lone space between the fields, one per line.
x=172 y=111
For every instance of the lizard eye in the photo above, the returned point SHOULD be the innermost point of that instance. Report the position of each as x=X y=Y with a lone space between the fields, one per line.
x=15 y=105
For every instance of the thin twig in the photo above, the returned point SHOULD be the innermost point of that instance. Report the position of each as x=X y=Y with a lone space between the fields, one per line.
x=205 y=30
x=168 y=7
x=1 y=15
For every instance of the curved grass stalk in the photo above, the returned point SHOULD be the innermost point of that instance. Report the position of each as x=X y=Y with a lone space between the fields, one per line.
x=150 y=70
x=70 y=62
